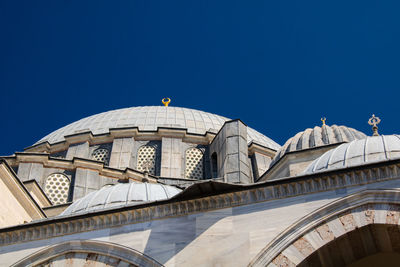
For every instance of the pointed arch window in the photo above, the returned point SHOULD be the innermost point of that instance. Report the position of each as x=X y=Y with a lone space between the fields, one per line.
x=56 y=188
x=194 y=163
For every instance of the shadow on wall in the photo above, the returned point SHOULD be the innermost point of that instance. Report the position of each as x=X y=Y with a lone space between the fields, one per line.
x=169 y=237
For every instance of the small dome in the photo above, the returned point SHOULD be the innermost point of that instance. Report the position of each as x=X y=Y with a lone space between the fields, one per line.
x=317 y=137
x=121 y=195
x=359 y=152
x=150 y=118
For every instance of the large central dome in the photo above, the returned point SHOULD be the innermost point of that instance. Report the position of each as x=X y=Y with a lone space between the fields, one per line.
x=149 y=118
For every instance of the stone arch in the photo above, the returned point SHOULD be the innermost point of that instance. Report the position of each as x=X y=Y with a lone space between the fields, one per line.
x=307 y=239
x=88 y=251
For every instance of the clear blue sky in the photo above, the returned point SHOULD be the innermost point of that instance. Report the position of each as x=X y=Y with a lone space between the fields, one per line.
x=277 y=65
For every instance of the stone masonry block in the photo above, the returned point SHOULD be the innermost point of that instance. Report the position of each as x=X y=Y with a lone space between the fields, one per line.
x=232 y=163
x=117 y=145
x=125 y=160
x=79 y=192
x=232 y=177
x=127 y=145
x=232 y=145
x=78 y=150
x=232 y=129
x=92 y=180
x=242 y=129
x=80 y=177
x=24 y=170
x=36 y=172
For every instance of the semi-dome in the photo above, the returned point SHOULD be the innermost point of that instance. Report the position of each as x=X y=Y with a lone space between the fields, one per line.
x=358 y=152
x=317 y=137
x=121 y=195
x=150 y=118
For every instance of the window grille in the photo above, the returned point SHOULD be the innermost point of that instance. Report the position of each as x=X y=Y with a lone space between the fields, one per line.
x=56 y=188
x=194 y=163
x=146 y=159
x=100 y=154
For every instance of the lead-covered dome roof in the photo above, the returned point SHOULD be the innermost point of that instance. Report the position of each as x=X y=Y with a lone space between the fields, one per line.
x=358 y=152
x=121 y=195
x=318 y=137
x=149 y=118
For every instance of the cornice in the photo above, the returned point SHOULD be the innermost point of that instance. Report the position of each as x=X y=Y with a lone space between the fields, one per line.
x=134 y=132
x=257 y=148
x=51 y=162
x=114 y=133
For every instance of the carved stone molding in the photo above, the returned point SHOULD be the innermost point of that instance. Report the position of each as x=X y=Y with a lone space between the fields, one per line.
x=66 y=164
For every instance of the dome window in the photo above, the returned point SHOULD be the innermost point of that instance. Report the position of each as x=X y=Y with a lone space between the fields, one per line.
x=146 y=159
x=100 y=154
x=194 y=163
x=56 y=188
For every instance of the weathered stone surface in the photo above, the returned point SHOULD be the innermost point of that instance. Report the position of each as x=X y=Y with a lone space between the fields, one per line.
x=283 y=261
x=348 y=222
x=304 y=246
x=325 y=233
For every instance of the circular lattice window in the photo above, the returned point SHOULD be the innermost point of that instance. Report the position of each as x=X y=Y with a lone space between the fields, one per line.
x=194 y=163
x=100 y=154
x=56 y=188
x=146 y=159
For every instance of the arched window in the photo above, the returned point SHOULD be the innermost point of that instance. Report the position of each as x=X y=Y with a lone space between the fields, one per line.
x=146 y=159
x=100 y=154
x=194 y=163
x=214 y=165
x=56 y=188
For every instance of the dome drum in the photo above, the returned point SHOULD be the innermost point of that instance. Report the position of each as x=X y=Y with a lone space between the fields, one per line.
x=300 y=150
x=115 y=138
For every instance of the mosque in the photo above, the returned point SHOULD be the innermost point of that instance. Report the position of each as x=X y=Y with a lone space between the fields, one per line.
x=170 y=186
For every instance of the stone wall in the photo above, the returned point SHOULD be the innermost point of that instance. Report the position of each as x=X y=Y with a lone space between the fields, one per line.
x=230 y=145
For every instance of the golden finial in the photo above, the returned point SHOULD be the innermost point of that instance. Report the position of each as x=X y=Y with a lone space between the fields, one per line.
x=323 y=121
x=166 y=101
x=374 y=121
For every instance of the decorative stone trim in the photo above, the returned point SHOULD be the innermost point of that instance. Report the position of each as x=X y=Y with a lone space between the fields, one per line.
x=330 y=222
x=254 y=147
x=121 y=253
x=66 y=164
x=243 y=195
x=93 y=139
x=134 y=132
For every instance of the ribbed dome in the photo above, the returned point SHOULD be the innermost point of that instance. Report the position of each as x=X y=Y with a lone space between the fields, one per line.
x=358 y=152
x=121 y=195
x=150 y=118
x=317 y=137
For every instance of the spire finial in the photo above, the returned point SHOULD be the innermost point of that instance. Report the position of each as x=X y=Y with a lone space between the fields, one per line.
x=323 y=121
x=374 y=121
x=166 y=101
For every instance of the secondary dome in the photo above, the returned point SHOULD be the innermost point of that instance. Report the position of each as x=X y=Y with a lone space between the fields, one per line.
x=317 y=137
x=121 y=195
x=358 y=152
x=149 y=118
